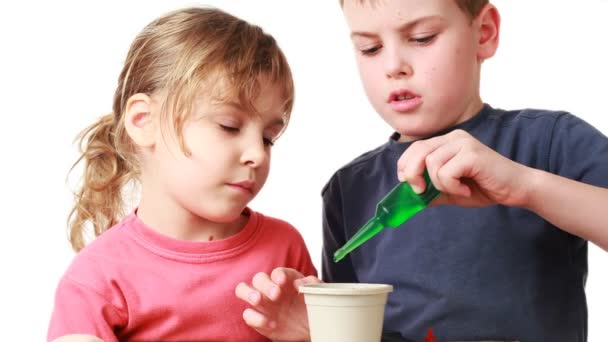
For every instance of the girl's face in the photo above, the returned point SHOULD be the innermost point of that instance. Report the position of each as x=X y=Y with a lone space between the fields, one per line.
x=229 y=158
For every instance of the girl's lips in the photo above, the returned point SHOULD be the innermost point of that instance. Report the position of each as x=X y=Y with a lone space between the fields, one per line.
x=244 y=186
x=241 y=189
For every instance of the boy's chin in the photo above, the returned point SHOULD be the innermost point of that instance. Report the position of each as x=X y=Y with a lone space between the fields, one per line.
x=410 y=134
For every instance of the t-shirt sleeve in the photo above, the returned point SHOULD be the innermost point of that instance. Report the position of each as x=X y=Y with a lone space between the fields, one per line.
x=300 y=257
x=80 y=309
x=334 y=236
x=579 y=151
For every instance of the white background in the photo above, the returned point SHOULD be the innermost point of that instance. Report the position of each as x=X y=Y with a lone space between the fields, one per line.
x=59 y=63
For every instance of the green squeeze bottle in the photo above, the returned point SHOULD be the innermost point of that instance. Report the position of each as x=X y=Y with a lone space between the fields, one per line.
x=394 y=209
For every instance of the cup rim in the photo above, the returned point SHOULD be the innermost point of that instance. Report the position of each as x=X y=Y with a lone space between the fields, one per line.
x=346 y=289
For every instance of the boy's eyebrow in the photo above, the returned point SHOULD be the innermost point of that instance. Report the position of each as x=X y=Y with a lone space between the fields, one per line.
x=404 y=27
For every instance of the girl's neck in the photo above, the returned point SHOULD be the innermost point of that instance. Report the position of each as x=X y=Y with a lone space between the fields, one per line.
x=181 y=224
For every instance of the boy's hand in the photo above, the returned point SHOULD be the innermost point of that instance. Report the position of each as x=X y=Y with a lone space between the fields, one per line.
x=278 y=310
x=467 y=172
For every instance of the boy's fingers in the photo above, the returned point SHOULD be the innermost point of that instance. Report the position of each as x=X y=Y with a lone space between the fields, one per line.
x=263 y=283
x=437 y=159
x=452 y=172
x=248 y=294
x=412 y=163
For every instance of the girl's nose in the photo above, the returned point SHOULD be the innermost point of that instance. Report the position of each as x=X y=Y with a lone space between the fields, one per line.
x=254 y=153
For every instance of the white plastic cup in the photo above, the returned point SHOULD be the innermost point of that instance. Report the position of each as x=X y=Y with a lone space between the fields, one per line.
x=345 y=312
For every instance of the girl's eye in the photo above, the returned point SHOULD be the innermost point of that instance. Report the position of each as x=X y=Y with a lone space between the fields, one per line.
x=268 y=142
x=229 y=128
x=424 y=40
x=371 y=51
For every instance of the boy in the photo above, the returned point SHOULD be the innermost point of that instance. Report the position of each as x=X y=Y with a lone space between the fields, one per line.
x=511 y=267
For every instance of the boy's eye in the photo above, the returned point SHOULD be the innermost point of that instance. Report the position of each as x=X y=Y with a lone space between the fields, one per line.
x=370 y=51
x=423 y=40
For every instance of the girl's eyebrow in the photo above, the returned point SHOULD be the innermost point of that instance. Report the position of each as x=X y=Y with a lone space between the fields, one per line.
x=404 y=27
x=277 y=122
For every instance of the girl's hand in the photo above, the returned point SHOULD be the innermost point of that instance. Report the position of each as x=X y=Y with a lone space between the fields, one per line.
x=467 y=172
x=278 y=310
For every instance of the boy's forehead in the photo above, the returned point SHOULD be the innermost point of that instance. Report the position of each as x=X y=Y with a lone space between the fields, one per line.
x=361 y=14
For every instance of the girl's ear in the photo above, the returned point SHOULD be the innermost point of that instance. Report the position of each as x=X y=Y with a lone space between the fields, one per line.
x=488 y=22
x=139 y=121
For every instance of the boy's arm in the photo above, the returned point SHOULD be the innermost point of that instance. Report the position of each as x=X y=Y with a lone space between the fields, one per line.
x=575 y=207
x=571 y=195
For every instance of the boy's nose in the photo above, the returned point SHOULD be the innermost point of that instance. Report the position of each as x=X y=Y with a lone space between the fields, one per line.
x=396 y=66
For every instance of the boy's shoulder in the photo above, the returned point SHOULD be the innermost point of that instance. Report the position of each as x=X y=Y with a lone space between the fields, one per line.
x=525 y=114
x=548 y=123
x=362 y=165
x=543 y=121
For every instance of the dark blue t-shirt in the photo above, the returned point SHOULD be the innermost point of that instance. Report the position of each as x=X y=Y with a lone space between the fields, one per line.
x=473 y=273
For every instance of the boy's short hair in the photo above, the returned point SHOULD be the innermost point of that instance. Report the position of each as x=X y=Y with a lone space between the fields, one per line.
x=470 y=7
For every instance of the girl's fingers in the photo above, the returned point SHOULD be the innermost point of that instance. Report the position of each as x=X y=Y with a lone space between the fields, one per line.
x=248 y=294
x=306 y=280
x=256 y=320
x=263 y=283
x=281 y=275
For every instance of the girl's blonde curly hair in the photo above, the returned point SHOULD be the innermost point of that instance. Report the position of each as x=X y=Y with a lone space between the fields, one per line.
x=174 y=55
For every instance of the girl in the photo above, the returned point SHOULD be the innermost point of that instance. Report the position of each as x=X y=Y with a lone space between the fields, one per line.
x=200 y=101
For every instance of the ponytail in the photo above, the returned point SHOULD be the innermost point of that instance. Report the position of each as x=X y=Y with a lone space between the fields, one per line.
x=98 y=201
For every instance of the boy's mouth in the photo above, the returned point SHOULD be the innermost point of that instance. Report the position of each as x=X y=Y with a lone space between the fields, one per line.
x=401 y=95
x=403 y=100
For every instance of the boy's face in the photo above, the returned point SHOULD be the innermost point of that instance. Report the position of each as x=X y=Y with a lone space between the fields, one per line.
x=419 y=62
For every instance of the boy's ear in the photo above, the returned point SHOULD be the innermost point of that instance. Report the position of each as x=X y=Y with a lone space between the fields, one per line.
x=139 y=122
x=488 y=22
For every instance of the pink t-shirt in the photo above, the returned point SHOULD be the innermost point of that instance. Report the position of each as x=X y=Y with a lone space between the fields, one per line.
x=133 y=283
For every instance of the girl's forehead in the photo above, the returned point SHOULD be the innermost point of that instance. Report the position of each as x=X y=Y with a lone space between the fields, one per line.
x=267 y=95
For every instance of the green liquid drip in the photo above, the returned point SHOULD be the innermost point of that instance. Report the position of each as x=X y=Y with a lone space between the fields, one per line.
x=398 y=206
